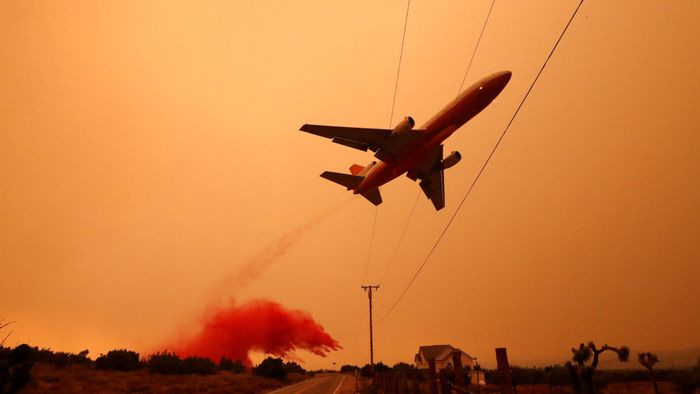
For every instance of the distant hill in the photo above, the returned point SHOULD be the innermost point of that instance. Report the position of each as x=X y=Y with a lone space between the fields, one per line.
x=667 y=359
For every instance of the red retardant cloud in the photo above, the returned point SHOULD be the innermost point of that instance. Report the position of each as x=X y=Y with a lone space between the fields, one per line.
x=258 y=325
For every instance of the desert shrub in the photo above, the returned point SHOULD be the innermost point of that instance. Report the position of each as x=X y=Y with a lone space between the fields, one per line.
x=404 y=368
x=687 y=380
x=381 y=367
x=629 y=375
x=165 y=363
x=198 y=365
x=366 y=370
x=80 y=358
x=521 y=375
x=118 y=360
x=492 y=376
x=41 y=355
x=15 y=369
x=556 y=375
x=226 y=364
x=271 y=368
x=349 y=368
x=292 y=367
x=61 y=359
x=48 y=356
x=552 y=375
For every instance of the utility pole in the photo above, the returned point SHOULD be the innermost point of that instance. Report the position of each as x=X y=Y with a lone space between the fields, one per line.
x=369 y=289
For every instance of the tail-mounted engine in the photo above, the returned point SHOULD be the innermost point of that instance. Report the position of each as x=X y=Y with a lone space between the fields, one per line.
x=449 y=161
x=404 y=126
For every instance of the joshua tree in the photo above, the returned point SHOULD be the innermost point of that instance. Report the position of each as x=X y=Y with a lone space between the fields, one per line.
x=586 y=358
x=648 y=360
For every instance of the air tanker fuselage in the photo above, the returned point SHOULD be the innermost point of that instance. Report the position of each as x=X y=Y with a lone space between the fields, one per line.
x=472 y=101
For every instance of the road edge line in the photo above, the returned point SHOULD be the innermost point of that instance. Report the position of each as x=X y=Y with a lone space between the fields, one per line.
x=339 y=384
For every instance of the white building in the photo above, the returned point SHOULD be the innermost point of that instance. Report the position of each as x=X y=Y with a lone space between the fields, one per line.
x=443 y=360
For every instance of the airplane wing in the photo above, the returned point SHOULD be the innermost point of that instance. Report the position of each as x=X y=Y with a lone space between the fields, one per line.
x=433 y=186
x=354 y=137
x=381 y=141
x=432 y=178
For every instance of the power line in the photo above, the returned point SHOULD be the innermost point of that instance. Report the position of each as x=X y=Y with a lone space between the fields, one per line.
x=398 y=71
x=403 y=233
x=488 y=159
x=469 y=65
x=371 y=241
x=391 y=118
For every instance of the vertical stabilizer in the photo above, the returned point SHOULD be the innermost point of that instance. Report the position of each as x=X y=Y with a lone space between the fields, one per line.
x=356 y=169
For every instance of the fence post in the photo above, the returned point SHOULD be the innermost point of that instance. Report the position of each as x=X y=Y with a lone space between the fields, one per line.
x=416 y=383
x=504 y=371
x=432 y=376
x=444 y=382
x=460 y=380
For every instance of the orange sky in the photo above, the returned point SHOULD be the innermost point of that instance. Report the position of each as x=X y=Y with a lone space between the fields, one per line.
x=150 y=149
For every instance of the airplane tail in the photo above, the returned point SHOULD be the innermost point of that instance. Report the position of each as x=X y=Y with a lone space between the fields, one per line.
x=351 y=181
x=347 y=180
x=356 y=169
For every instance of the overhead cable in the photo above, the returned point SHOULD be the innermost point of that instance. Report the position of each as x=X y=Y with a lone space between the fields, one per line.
x=398 y=71
x=478 y=175
x=391 y=118
x=410 y=216
x=469 y=65
x=403 y=233
x=371 y=241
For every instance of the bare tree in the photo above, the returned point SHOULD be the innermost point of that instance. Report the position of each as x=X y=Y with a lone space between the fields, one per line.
x=648 y=360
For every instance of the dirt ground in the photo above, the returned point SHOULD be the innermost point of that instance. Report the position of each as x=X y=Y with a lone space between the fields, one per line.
x=613 y=388
x=348 y=387
x=84 y=379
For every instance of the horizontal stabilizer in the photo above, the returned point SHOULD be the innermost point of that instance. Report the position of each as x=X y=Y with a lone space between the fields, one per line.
x=373 y=196
x=347 y=180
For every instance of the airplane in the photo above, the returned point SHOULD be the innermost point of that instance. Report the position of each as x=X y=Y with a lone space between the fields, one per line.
x=403 y=149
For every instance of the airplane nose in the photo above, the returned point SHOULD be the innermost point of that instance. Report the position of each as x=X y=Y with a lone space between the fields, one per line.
x=503 y=77
x=496 y=82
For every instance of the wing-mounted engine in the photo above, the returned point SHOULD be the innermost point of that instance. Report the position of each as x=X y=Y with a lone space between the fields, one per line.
x=401 y=138
x=449 y=161
x=403 y=127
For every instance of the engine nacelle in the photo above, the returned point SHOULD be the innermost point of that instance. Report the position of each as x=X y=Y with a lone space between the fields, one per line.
x=405 y=125
x=452 y=159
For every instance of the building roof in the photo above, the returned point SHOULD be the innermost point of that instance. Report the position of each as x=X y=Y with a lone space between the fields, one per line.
x=438 y=352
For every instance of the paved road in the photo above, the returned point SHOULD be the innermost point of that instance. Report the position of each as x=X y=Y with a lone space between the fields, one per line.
x=320 y=384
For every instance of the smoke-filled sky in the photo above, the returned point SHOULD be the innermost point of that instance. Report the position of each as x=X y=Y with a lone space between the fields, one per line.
x=149 y=152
